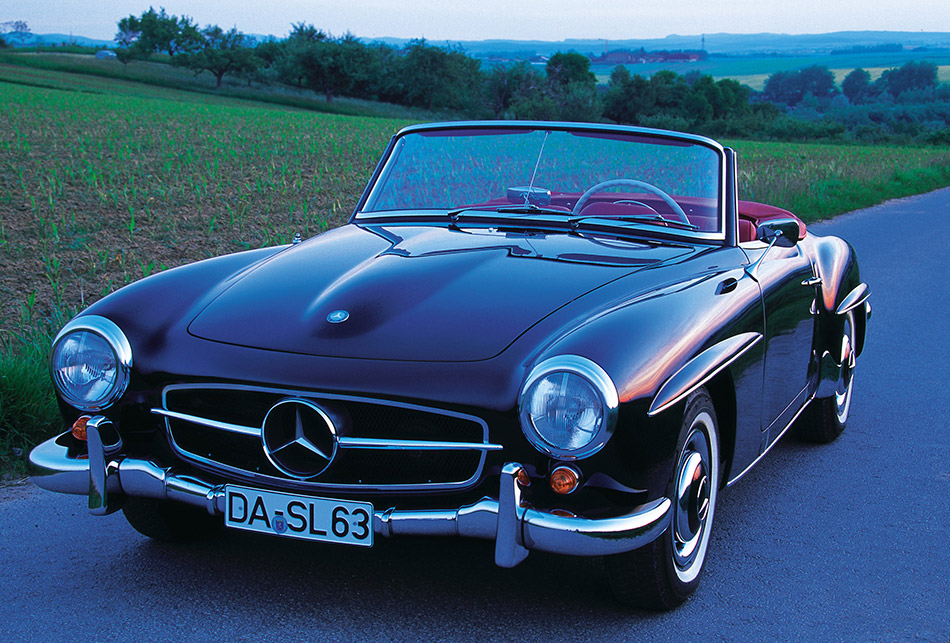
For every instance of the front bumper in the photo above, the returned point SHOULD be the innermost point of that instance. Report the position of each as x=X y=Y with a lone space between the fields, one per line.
x=516 y=527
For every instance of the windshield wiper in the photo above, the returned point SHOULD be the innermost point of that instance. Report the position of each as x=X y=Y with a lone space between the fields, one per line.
x=530 y=209
x=509 y=209
x=639 y=218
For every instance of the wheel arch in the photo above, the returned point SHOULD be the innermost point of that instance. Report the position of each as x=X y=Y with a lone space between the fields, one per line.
x=722 y=390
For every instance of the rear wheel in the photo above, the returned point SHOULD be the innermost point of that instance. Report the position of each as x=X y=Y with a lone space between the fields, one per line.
x=171 y=522
x=663 y=574
x=825 y=418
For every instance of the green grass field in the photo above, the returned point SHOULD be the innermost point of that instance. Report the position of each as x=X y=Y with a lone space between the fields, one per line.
x=104 y=181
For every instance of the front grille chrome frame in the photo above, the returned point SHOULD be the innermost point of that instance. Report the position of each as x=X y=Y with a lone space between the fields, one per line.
x=345 y=442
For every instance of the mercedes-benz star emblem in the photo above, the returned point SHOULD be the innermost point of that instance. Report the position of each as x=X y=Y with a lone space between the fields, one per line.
x=338 y=316
x=299 y=438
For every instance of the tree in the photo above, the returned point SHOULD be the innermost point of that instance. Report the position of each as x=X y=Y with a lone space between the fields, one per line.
x=221 y=52
x=324 y=64
x=910 y=76
x=129 y=31
x=628 y=99
x=818 y=81
x=156 y=31
x=670 y=90
x=16 y=30
x=856 y=86
x=697 y=108
x=563 y=69
x=573 y=87
x=424 y=72
x=436 y=77
x=790 y=87
x=304 y=32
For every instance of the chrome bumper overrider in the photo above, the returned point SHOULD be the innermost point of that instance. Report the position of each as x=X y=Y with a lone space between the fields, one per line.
x=107 y=475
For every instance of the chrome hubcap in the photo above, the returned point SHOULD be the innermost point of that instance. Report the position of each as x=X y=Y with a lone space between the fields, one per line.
x=694 y=501
x=843 y=388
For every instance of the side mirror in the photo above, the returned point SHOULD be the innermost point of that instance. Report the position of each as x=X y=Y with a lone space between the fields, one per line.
x=784 y=232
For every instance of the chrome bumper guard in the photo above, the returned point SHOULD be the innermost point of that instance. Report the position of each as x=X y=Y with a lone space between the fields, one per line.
x=515 y=527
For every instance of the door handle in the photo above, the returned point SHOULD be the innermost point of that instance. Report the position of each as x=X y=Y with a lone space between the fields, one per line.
x=812 y=281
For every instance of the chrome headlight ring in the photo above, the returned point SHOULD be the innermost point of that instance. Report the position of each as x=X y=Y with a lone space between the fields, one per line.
x=91 y=363
x=595 y=403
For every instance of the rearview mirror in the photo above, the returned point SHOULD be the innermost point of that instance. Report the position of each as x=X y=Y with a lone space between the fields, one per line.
x=783 y=231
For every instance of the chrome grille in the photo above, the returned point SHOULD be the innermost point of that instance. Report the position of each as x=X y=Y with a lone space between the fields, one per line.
x=382 y=445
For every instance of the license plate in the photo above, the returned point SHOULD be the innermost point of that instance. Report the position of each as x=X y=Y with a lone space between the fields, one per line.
x=293 y=516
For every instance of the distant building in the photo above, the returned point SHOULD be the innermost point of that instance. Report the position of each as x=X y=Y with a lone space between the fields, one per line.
x=627 y=57
x=105 y=54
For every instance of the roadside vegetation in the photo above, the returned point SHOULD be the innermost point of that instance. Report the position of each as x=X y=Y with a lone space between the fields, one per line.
x=110 y=172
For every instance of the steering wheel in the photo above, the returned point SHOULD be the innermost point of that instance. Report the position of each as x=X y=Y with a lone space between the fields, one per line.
x=643 y=185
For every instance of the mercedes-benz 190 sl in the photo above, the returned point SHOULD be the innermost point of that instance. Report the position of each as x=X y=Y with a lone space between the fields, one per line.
x=558 y=337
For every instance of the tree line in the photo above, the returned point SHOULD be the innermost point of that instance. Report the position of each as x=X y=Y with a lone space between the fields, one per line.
x=906 y=103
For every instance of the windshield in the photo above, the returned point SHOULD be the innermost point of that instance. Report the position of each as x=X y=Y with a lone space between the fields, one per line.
x=627 y=176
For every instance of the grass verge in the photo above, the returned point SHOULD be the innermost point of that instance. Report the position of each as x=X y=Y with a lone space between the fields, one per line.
x=28 y=410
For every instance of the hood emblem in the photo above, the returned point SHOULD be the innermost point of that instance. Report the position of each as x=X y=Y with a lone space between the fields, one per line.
x=299 y=438
x=338 y=316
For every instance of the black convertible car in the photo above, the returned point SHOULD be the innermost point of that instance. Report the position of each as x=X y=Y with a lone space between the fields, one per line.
x=559 y=337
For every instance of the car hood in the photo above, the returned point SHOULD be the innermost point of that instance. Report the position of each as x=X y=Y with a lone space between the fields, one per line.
x=415 y=293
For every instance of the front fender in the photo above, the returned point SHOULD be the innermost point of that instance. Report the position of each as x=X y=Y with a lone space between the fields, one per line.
x=841 y=291
x=837 y=267
x=701 y=369
x=660 y=347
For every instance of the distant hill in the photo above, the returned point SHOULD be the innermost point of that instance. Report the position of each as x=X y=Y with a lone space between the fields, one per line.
x=60 y=39
x=717 y=43
x=714 y=43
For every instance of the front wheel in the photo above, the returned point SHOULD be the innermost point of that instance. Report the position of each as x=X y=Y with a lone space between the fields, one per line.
x=663 y=574
x=825 y=418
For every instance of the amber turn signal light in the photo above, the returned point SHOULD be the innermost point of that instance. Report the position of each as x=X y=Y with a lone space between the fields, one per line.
x=564 y=480
x=523 y=478
x=79 y=428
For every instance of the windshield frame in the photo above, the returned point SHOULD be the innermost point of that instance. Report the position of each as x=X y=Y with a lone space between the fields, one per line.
x=391 y=155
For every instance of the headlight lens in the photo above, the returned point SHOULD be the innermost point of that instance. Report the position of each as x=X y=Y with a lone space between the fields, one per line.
x=91 y=360
x=564 y=409
x=568 y=407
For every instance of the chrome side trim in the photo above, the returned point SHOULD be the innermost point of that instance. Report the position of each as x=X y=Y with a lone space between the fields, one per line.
x=853 y=299
x=701 y=369
x=773 y=443
x=515 y=528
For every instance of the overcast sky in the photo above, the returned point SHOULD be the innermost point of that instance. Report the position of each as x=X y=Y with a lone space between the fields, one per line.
x=440 y=20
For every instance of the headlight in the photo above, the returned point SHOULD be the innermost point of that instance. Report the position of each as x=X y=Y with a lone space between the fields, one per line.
x=568 y=407
x=91 y=361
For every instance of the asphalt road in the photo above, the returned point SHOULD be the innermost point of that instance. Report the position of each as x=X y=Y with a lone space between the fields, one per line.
x=844 y=542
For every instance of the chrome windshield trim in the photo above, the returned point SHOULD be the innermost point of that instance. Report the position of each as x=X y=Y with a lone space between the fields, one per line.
x=361 y=214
